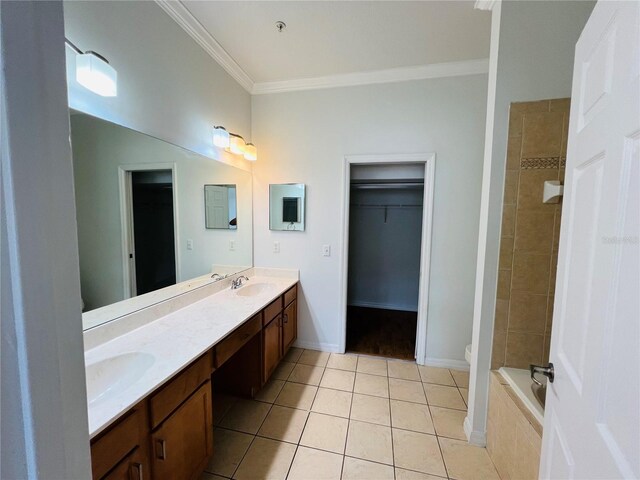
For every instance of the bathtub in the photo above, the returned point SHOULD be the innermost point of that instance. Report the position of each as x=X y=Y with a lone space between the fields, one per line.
x=520 y=381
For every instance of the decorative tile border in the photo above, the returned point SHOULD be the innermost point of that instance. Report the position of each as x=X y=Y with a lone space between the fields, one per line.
x=540 y=163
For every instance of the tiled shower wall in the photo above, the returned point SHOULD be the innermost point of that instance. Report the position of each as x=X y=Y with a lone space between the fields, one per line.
x=536 y=152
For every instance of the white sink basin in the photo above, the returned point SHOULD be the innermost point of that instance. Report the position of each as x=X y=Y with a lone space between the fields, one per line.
x=254 y=289
x=111 y=375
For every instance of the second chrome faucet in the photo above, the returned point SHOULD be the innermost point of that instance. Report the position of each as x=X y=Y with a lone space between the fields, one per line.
x=238 y=282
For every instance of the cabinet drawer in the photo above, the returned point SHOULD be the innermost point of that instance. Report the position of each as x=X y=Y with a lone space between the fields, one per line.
x=132 y=467
x=272 y=310
x=290 y=295
x=116 y=443
x=166 y=400
x=235 y=340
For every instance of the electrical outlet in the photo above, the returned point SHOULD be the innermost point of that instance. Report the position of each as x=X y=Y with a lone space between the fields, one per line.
x=276 y=247
x=232 y=245
x=189 y=244
x=326 y=250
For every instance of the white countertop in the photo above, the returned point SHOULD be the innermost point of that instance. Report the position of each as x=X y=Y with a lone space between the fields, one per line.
x=173 y=341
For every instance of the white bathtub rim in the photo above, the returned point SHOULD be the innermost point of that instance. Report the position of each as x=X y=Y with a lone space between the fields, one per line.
x=520 y=381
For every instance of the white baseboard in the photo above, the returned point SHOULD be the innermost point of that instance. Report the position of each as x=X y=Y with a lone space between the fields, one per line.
x=323 y=347
x=447 y=363
x=478 y=439
x=384 y=306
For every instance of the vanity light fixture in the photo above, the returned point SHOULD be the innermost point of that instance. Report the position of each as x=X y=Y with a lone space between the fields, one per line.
x=250 y=152
x=220 y=137
x=234 y=143
x=94 y=72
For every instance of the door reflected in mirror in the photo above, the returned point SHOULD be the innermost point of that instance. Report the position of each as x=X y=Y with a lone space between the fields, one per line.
x=140 y=205
x=287 y=207
x=220 y=207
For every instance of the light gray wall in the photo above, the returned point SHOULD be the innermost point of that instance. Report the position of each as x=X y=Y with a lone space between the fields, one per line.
x=304 y=136
x=43 y=404
x=168 y=87
x=99 y=148
x=384 y=253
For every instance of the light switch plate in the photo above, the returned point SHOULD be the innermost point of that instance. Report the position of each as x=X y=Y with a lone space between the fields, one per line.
x=326 y=250
x=276 y=247
x=189 y=244
x=232 y=245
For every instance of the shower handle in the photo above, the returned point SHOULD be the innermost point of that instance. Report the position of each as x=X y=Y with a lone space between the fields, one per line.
x=546 y=371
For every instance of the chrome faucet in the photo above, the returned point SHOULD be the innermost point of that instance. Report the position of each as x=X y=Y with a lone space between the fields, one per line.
x=216 y=277
x=238 y=282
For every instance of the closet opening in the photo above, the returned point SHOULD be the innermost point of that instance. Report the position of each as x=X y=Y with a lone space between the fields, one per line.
x=386 y=205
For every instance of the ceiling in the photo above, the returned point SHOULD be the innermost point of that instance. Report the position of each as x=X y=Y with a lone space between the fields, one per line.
x=328 y=38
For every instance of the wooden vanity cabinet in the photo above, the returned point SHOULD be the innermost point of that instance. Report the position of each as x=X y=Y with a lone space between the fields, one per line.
x=183 y=443
x=271 y=346
x=122 y=450
x=280 y=330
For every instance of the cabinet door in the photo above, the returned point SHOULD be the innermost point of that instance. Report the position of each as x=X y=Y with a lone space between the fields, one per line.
x=289 y=326
x=272 y=347
x=183 y=443
x=133 y=467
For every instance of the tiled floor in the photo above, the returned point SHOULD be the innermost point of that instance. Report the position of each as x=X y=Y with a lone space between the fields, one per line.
x=329 y=416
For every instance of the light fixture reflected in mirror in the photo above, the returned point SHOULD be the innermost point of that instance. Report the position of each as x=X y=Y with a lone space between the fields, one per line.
x=94 y=73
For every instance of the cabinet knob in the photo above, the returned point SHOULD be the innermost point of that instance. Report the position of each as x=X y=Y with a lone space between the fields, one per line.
x=161 y=447
x=286 y=318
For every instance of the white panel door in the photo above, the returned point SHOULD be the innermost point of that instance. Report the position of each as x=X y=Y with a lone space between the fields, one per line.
x=592 y=418
x=217 y=205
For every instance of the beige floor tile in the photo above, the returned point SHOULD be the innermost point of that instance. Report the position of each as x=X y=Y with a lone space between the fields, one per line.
x=366 y=408
x=296 y=395
x=357 y=469
x=406 y=390
x=283 y=371
x=372 y=366
x=403 y=370
x=314 y=357
x=411 y=416
x=315 y=464
x=448 y=422
x=230 y=448
x=270 y=391
x=442 y=396
x=306 y=374
x=369 y=442
x=284 y=424
x=245 y=416
x=466 y=462
x=343 y=362
x=417 y=451
x=441 y=376
x=325 y=432
x=371 y=385
x=461 y=378
x=338 y=379
x=293 y=355
x=465 y=395
x=332 y=402
x=266 y=459
x=221 y=405
x=402 y=474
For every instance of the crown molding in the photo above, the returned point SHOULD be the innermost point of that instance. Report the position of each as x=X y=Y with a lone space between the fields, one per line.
x=485 y=4
x=183 y=17
x=421 y=72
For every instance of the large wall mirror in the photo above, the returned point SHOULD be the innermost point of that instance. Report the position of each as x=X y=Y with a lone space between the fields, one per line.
x=154 y=220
